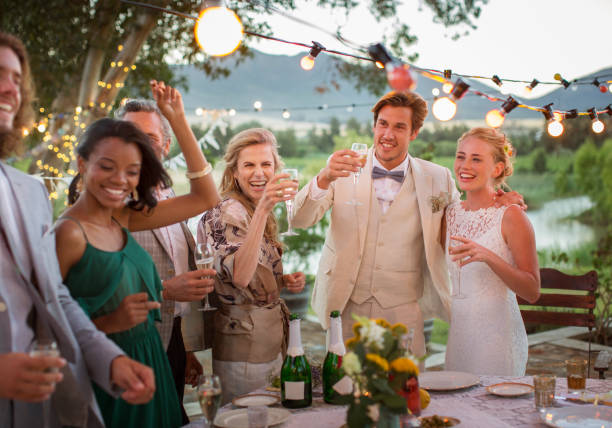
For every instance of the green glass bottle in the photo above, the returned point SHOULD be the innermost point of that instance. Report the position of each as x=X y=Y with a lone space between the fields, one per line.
x=296 y=378
x=333 y=359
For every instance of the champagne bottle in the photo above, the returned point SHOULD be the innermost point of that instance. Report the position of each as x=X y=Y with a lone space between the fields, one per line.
x=333 y=359
x=296 y=378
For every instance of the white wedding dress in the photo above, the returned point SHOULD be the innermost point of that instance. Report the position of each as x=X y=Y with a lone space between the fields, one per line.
x=487 y=335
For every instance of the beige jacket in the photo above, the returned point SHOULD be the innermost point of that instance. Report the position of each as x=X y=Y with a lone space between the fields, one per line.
x=343 y=248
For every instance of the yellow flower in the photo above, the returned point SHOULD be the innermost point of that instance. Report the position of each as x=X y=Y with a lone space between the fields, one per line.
x=351 y=342
x=356 y=329
x=404 y=365
x=383 y=323
x=399 y=329
x=378 y=360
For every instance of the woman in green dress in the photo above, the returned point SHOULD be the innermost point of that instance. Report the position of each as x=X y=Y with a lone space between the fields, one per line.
x=106 y=270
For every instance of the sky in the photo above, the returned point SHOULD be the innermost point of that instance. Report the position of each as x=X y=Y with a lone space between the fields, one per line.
x=515 y=39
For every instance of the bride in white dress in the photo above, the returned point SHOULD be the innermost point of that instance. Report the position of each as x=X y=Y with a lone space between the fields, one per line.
x=491 y=256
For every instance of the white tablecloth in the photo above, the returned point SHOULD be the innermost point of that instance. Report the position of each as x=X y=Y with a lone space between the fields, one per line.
x=474 y=406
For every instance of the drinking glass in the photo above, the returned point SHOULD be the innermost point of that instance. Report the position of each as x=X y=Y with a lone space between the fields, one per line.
x=293 y=176
x=205 y=258
x=46 y=348
x=209 y=396
x=457 y=294
x=544 y=390
x=576 y=374
x=362 y=151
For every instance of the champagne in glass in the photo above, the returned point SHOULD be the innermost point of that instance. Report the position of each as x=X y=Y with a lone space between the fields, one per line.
x=46 y=348
x=209 y=396
x=205 y=258
x=361 y=150
x=457 y=293
x=293 y=176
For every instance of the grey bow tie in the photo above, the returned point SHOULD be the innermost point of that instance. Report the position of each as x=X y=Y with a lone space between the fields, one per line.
x=394 y=175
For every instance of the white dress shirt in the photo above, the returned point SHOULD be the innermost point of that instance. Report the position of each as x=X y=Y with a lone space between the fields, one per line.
x=385 y=188
x=18 y=302
x=179 y=251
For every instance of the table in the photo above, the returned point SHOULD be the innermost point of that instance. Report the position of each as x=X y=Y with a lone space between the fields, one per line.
x=474 y=406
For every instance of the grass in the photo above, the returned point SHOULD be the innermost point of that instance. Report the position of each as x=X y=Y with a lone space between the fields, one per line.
x=440 y=332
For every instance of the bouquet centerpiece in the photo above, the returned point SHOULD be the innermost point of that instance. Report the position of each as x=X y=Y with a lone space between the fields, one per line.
x=380 y=367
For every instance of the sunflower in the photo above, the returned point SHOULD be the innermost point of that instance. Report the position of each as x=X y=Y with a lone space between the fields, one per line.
x=378 y=360
x=404 y=365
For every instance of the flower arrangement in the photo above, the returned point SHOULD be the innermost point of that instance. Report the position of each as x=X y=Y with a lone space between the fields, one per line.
x=379 y=364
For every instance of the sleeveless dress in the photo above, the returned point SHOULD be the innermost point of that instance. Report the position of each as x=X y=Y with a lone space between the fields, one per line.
x=487 y=335
x=99 y=281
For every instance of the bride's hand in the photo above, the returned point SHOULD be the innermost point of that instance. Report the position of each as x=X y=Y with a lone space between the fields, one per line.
x=468 y=251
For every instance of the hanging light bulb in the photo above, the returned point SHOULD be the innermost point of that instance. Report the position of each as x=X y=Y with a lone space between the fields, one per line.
x=610 y=87
x=307 y=62
x=496 y=80
x=495 y=118
x=527 y=90
x=445 y=108
x=41 y=127
x=218 y=30
x=554 y=126
x=447 y=87
x=379 y=64
x=199 y=111
x=286 y=114
x=398 y=74
x=597 y=125
x=435 y=92
x=257 y=105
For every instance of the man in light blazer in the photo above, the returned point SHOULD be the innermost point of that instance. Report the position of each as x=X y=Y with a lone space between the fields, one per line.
x=34 y=304
x=382 y=256
x=183 y=329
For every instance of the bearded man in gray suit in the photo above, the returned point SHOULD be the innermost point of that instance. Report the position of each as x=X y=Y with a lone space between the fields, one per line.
x=34 y=304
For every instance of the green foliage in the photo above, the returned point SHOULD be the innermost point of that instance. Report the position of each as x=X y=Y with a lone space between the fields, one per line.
x=539 y=161
x=345 y=142
x=593 y=174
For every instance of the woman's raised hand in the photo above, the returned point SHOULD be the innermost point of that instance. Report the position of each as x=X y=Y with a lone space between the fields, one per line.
x=276 y=192
x=294 y=282
x=168 y=99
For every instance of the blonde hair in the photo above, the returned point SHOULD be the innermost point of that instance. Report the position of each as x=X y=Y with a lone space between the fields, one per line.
x=229 y=185
x=501 y=147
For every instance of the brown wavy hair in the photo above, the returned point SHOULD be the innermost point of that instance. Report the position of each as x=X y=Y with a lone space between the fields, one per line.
x=11 y=143
x=411 y=100
x=229 y=185
x=501 y=147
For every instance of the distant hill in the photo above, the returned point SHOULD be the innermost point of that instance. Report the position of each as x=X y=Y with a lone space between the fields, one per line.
x=279 y=82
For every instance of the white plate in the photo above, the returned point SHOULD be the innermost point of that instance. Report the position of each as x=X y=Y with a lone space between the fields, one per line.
x=239 y=418
x=578 y=417
x=447 y=381
x=255 y=400
x=510 y=389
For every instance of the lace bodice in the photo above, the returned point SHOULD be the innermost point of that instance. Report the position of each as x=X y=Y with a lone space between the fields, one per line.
x=487 y=334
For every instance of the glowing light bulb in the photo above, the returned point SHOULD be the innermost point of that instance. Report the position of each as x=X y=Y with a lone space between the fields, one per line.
x=232 y=112
x=379 y=64
x=307 y=62
x=218 y=31
x=42 y=127
x=25 y=132
x=447 y=87
x=555 y=128
x=597 y=126
x=495 y=118
x=603 y=89
x=286 y=114
x=199 y=111
x=557 y=76
x=610 y=87
x=435 y=92
x=257 y=105
x=444 y=109
x=400 y=77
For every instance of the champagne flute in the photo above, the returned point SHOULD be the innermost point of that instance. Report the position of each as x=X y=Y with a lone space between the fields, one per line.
x=46 y=348
x=209 y=396
x=457 y=293
x=293 y=176
x=362 y=150
x=205 y=258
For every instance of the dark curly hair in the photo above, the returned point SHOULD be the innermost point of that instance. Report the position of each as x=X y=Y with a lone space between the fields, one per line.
x=152 y=172
x=10 y=143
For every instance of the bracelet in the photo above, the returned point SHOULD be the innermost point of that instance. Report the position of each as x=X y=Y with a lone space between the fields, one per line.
x=199 y=174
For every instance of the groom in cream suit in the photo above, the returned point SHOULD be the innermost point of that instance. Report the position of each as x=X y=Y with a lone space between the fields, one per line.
x=382 y=258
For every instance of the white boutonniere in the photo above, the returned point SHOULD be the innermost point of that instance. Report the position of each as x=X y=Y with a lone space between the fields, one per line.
x=439 y=202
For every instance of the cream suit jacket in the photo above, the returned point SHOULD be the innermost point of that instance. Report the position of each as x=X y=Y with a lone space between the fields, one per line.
x=344 y=242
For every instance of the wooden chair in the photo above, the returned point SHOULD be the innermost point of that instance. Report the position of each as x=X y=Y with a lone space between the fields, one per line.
x=555 y=308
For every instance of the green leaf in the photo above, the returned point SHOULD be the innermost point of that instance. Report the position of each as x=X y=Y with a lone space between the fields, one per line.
x=395 y=402
x=382 y=385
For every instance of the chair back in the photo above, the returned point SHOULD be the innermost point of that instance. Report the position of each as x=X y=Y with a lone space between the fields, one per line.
x=557 y=308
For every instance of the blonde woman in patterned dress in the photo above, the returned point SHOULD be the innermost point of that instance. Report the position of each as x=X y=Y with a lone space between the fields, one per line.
x=491 y=255
x=252 y=321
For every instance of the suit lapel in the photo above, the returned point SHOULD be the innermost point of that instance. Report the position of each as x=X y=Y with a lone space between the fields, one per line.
x=190 y=244
x=363 y=195
x=423 y=184
x=162 y=241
